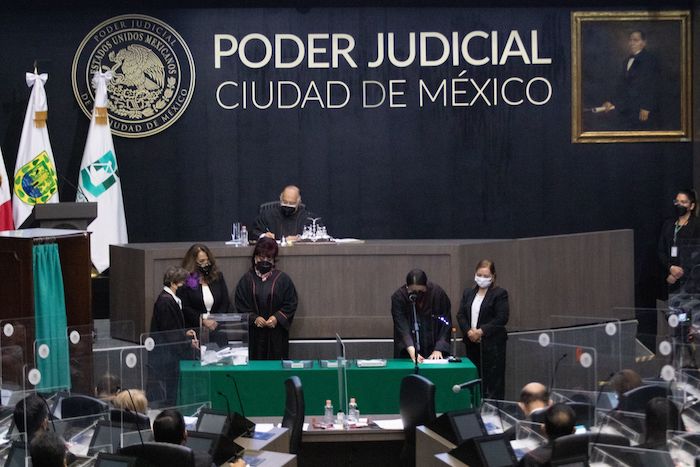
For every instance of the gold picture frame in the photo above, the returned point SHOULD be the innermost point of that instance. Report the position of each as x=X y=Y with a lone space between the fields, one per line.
x=605 y=70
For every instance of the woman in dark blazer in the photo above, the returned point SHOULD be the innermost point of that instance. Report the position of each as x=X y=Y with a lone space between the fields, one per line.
x=205 y=289
x=482 y=317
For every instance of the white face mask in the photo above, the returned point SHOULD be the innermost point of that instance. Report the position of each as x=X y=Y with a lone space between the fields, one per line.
x=483 y=282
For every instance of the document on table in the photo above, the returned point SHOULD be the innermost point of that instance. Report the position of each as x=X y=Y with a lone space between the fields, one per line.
x=437 y=361
x=393 y=424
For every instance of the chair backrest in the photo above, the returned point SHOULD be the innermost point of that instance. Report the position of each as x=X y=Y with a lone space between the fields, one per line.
x=79 y=405
x=584 y=413
x=160 y=454
x=273 y=204
x=135 y=418
x=538 y=415
x=635 y=400
x=416 y=401
x=294 y=411
x=574 y=447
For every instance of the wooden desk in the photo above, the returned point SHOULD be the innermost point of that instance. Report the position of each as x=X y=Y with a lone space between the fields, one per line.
x=346 y=288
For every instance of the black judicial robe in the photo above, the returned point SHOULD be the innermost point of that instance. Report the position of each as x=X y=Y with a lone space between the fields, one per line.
x=172 y=345
x=273 y=220
x=434 y=320
x=275 y=296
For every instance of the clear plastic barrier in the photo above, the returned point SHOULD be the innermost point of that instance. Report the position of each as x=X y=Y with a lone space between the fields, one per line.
x=684 y=447
x=496 y=420
x=622 y=456
x=627 y=424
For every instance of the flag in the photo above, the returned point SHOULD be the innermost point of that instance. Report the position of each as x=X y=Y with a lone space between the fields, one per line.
x=35 y=171
x=5 y=201
x=98 y=180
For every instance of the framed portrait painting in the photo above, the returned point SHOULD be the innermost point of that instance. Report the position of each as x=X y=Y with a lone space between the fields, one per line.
x=630 y=76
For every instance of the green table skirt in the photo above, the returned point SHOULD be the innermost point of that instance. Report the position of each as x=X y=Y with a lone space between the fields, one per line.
x=261 y=386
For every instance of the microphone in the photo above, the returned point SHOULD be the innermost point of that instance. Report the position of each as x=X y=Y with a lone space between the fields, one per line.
x=78 y=190
x=136 y=415
x=412 y=296
x=556 y=368
x=48 y=415
x=246 y=425
x=228 y=406
x=457 y=388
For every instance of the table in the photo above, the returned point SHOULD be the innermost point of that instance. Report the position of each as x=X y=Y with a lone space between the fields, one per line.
x=261 y=385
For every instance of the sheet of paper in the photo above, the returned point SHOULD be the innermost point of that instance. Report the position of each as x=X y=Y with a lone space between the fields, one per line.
x=439 y=361
x=393 y=424
x=264 y=427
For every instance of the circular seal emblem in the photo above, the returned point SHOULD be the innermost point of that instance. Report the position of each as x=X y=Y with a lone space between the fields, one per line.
x=152 y=68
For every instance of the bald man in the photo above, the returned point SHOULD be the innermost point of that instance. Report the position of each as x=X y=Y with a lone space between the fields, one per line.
x=286 y=220
x=534 y=397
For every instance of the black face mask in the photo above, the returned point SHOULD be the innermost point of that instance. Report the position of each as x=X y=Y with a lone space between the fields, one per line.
x=680 y=210
x=263 y=267
x=288 y=211
x=205 y=269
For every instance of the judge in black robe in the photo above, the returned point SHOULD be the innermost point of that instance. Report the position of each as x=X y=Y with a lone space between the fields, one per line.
x=286 y=219
x=269 y=297
x=172 y=338
x=433 y=310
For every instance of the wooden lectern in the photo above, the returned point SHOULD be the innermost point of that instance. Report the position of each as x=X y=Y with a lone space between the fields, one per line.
x=17 y=303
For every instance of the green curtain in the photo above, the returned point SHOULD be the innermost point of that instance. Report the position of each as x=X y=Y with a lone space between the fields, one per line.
x=50 y=317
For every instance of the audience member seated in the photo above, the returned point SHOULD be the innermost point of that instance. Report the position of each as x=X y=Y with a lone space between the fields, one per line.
x=47 y=449
x=33 y=409
x=661 y=415
x=107 y=387
x=559 y=421
x=534 y=397
x=625 y=380
x=169 y=427
x=131 y=400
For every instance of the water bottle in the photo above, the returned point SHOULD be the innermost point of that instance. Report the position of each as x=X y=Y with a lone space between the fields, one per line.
x=328 y=413
x=353 y=412
x=244 y=236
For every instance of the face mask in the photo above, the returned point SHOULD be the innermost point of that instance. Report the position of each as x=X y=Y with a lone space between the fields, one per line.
x=680 y=210
x=483 y=282
x=263 y=267
x=205 y=269
x=288 y=210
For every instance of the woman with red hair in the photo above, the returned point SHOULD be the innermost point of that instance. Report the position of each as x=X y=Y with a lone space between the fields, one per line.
x=269 y=297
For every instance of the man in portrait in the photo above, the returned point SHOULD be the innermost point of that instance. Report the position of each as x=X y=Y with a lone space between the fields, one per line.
x=635 y=99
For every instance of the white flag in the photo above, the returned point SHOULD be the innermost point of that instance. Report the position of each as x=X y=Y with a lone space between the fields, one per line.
x=98 y=180
x=35 y=179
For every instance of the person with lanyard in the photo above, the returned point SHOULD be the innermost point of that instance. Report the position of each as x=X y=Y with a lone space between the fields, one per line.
x=269 y=297
x=482 y=316
x=676 y=232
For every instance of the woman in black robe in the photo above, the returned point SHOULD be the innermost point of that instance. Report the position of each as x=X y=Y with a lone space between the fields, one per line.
x=269 y=297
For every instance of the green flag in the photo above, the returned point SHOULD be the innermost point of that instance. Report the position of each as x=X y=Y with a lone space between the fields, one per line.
x=51 y=351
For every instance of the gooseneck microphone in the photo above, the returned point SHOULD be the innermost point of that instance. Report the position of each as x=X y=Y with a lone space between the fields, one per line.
x=49 y=416
x=228 y=406
x=554 y=373
x=136 y=415
x=457 y=388
x=240 y=404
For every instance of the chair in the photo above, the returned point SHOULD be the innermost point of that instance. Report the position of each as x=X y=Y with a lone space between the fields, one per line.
x=135 y=418
x=294 y=412
x=79 y=405
x=635 y=400
x=273 y=204
x=574 y=448
x=417 y=407
x=538 y=415
x=160 y=454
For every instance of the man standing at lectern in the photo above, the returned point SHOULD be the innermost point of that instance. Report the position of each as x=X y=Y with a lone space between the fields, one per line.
x=433 y=312
x=284 y=220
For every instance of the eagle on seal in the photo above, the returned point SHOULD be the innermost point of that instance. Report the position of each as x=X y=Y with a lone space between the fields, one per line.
x=141 y=68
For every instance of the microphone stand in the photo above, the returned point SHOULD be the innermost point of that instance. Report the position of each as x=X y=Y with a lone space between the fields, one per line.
x=416 y=332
